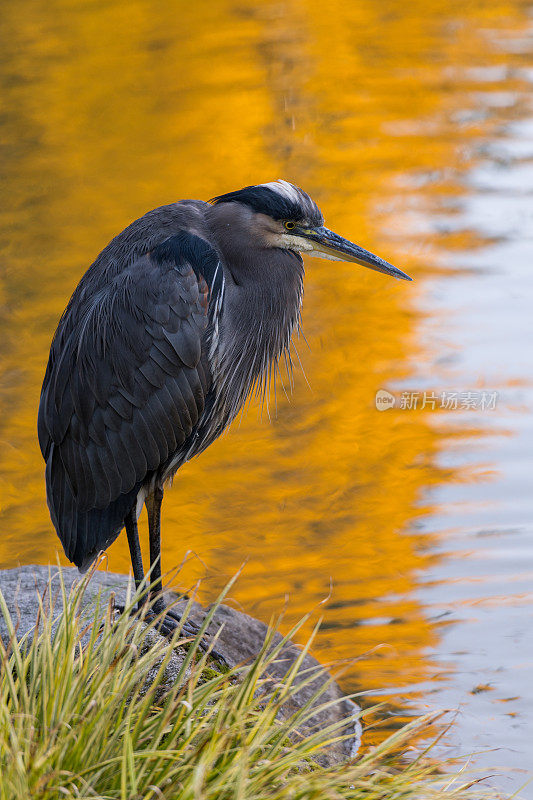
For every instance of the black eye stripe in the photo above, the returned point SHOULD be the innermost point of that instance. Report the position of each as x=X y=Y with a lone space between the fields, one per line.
x=264 y=200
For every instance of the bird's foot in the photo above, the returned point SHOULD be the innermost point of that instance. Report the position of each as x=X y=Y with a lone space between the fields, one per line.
x=169 y=620
x=173 y=620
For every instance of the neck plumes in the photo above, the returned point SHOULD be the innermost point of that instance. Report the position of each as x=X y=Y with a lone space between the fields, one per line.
x=262 y=299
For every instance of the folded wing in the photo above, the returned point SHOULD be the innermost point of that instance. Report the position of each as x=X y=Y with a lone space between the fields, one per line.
x=125 y=386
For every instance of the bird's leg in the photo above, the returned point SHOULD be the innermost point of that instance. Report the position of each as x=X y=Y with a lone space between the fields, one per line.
x=172 y=617
x=170 y=622
x=153 y=507
x=135 y=551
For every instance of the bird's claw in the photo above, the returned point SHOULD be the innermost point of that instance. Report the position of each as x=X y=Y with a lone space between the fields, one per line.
x=168 y=624
x=172 y=620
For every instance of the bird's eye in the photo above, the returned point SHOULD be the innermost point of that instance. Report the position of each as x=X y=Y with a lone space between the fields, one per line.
x=290 y=225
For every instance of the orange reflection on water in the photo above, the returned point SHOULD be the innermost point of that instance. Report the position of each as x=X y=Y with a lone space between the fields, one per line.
x=115 y=108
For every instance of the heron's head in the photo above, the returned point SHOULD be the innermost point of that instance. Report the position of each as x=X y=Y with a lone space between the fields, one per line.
x=282 y=215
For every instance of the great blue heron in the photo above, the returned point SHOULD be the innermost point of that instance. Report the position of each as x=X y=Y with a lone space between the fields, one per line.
x=163 y=339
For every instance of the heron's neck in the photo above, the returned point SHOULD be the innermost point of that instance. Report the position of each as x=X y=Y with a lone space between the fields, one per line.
x=263 y=298
x=261 y=307
x=247 y=256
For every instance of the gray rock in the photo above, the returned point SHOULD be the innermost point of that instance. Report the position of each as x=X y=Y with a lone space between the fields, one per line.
x=240 y=638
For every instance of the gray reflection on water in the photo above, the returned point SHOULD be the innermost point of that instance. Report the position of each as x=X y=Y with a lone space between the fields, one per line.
x=482 y=581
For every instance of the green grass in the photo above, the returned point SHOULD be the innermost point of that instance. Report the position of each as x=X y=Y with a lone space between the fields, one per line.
x=87 y=711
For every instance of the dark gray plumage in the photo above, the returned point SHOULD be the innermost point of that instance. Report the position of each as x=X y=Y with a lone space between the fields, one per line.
x=162 y=341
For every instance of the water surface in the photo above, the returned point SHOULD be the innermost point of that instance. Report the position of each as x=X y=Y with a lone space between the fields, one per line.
x=412 y=126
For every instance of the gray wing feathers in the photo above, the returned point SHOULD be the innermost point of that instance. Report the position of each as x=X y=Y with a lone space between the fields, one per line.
x=124 y=386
